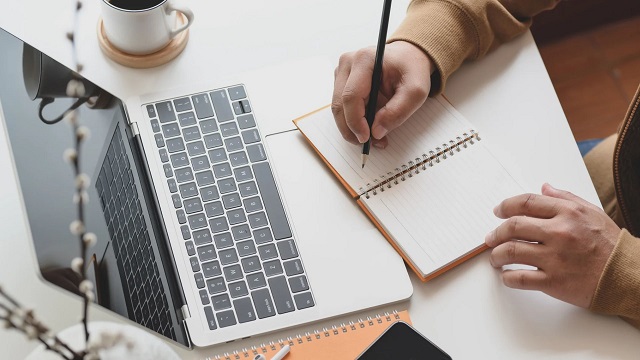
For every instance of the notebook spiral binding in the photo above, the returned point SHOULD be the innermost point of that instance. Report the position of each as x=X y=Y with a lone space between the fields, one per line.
x=427 y=159
x=250 y=353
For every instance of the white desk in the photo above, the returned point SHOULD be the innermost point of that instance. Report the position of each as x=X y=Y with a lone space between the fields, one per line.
x=468 y=312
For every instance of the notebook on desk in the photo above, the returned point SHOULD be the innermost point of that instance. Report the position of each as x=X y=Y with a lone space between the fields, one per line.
x=207 y=231
x=430 y=192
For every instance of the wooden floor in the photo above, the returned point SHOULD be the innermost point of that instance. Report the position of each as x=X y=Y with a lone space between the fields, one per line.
x=596 y=74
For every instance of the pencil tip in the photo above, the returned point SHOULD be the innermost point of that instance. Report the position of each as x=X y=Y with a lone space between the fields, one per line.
x=364 y=159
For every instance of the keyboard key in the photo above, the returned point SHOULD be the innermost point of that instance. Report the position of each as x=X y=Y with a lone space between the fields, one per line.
x=298 y=283
x=195 y=264
x=228 y=256
x=171 y=130
x=210 y=193
x=208 y=126
x=195 y=148
x=256 y=152
x=232 y=273
x=250 y=136
x=202 y=105
x=236 y=216
x=258 y=219
x=199 y=280
x=188 y=190
x=239 y=158
x=256 y=280
x=218 y=224
x=211 y=269
x=233 y=144
x=192 y=205
x=246 y=107
x=238 y=289
x=226 y=318
x=231 y=201
x=206 y=253
x=293 y=267
x=229 y=129
x=200 y=163
x=242 y=174
x=173 y=186
x=204 y=178
x=202 y=237
x=263 y=303
x=182 y=104
x=252 y=204
x=184 y=174
x=241 y=232
x=281 y=294
x=176 y=201
x=168 y=172
x=213 y=141
x=287 y=249
x=237 y=93
x=175 y=145
x=151 y=111
x=248 y=189
x=227 y=185
x=211 y=321
x=246 y=121
x=182 y=218
x=267 y=252
x=191 y=250
x=221 y=302
x=213 y=209
x=222 y=106
x=272 y=267
x=164 y=156
x=251 y=264
x=197 y=221
x=179 y=159
x=204 y=297
x=217 y=155
x=155 y=125
x=304 y=300
x=216 y=285
x=246 y=248
x=272 y=201
x=159 y=140
x=244 y=309
x=237 y=108
x=222 y=170
x=191 y=133
x=223 y=240
x=165 y=112
x=187 y=119
x=262 y=236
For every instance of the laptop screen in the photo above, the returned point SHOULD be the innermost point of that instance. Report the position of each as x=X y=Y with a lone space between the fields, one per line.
x=128 y=264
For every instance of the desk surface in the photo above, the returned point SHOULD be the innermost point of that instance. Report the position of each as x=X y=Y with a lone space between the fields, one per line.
x=508 y=96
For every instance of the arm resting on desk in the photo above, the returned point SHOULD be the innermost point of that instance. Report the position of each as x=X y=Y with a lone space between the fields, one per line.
x=452 y=31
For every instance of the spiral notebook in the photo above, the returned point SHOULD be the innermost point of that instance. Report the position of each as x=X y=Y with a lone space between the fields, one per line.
x=344 y=341
x=431 y=192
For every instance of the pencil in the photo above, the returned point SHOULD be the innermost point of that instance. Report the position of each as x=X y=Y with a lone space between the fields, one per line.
x=370 y=111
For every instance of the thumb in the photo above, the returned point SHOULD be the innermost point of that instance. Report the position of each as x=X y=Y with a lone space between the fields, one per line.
x=404 y=102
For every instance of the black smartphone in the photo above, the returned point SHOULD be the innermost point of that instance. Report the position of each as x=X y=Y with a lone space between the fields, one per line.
x=402 y=342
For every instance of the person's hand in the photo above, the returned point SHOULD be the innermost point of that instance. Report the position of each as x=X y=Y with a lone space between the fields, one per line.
x=568 y=239
x=406 y=81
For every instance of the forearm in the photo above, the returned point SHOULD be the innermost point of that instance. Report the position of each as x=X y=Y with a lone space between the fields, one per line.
x=618 y=291
x=453 y=31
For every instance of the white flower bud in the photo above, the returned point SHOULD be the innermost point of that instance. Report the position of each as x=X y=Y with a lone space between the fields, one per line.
x=71 y=117
x=83 y=133
x=85 y=286
x=76 y=265
x=90 y=296
x=70 y=155
x=75 y=88
x=31 y=332
x=76 y=227
x=83 y=181
x=84 y=196
x=92 y=356
x=90 y=239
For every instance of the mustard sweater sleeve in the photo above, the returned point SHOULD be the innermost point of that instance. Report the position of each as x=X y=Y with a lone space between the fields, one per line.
x=452 y=31
x=618 y=291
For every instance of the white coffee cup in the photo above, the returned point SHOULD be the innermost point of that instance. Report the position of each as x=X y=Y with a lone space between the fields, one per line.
x=142 y=27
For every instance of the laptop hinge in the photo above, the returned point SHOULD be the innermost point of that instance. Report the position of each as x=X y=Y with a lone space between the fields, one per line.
x=185 y=312
x=132 y=124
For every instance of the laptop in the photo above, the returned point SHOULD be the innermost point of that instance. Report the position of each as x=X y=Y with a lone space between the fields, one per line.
x=213 y=223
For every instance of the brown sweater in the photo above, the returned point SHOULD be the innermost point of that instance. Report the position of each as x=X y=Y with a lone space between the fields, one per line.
x=454 y=31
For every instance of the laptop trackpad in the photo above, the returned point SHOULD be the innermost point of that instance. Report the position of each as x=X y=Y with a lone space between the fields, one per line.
x=335 y=239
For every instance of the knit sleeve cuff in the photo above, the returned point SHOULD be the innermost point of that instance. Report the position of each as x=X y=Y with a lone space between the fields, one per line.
x=618 y=291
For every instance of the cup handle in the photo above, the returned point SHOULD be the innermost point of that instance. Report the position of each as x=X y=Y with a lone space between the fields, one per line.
x=46 y=101
x=171 y=7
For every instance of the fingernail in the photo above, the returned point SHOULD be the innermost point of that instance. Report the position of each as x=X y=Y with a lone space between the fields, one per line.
x=488 y=237
x=495 y=210
x=379 y=145
x=362 y=138
x=379 y=132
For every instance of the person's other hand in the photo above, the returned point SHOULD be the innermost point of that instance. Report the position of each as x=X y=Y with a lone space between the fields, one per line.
x=568 y=239
x=406 y=82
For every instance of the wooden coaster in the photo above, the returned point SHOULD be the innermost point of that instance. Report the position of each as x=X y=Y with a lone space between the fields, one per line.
x=162 y=56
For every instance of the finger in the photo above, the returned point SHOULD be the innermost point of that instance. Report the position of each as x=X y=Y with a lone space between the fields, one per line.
x=356 y=93
x=337 y=107
x=518 y=252
x=380 y=143
x=406 y=100
x=525 y=279
x=519 y=228
x=539 y=206
x=549 y=190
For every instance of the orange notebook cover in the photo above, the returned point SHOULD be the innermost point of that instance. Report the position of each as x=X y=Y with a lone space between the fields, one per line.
x=448 y=150
x=344 y=341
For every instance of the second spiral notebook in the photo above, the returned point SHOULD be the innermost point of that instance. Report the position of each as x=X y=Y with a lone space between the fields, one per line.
x=431 y=192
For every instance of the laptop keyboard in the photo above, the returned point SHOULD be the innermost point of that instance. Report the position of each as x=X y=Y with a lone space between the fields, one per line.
x=143 y=290
x=244 y=259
